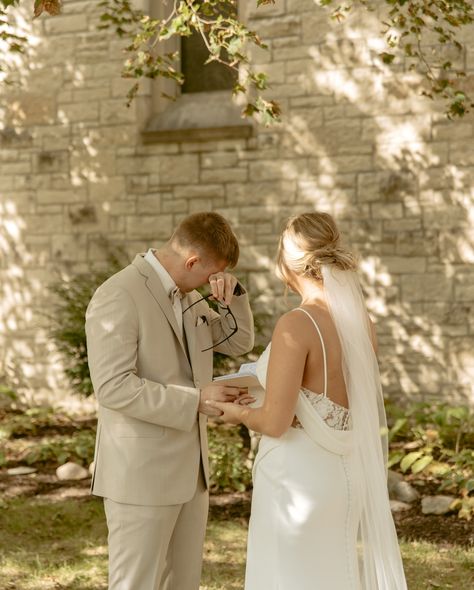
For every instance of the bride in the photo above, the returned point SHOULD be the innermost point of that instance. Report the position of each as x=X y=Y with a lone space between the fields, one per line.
x=320 y=516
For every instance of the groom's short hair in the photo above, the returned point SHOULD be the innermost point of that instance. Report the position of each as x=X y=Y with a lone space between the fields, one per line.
x=210 y=234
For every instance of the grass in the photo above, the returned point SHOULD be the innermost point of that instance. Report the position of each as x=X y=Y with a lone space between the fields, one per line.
x=54 y=545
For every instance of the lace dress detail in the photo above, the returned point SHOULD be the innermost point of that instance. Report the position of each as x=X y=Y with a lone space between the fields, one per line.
x=335 y=416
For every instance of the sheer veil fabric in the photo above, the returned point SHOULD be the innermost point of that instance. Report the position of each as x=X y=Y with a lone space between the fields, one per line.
x=381 y=565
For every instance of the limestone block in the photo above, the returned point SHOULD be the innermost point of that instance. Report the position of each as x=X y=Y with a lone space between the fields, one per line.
x=404 y=264
x=276 y=170
x=281 y=26
x=292 y=89
x=386 y=210
x=175 y=206
x=293 y=50
x=59 y=50
x=115 y=111
x=402 y=225
x=82 y=217
x=353 y=163
x=369 y=186
x=464 y=287
x=51 y=161
x=150 y=227
x=256 y=214
x=220 y=160
x=275 y=71
x=154 y=149
x=193 y=191
x=316 y=27
x=197 y=205
x=224 y=175
x=78 y=112
x=136 y=184
x=339 y=135
x=72 y=195
x=445 y=217
x=179 y=169
x=63 y=24
x=69 y=247
x=34 y=109
x=20 y=167
x=453 y=132
x=426 y=287
x=114 y=135
x=119 y=207
x=45 y=224
x=84 y=95
x=260 y=193
x=149 y=204
x=112 y=187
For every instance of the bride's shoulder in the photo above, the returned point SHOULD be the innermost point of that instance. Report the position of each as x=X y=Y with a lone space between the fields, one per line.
x=290 y=322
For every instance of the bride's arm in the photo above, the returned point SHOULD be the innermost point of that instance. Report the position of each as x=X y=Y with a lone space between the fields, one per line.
x=284 y=377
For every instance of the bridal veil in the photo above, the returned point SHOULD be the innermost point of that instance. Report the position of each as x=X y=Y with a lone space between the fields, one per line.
x=381 y=565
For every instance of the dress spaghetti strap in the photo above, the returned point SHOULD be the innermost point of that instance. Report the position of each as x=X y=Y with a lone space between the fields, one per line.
x=322 y=345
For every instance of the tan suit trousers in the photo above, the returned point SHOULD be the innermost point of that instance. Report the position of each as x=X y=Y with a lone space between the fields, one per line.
x=157 y=547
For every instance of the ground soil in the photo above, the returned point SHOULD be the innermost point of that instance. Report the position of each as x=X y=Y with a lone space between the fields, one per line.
x=411 y=524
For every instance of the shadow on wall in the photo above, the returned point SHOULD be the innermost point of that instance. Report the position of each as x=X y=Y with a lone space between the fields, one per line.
x=60 y=191
x=365 y=146
x=357 y=140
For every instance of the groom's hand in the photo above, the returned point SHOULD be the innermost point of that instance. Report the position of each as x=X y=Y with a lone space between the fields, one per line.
x=222 y=286
x=218 y=393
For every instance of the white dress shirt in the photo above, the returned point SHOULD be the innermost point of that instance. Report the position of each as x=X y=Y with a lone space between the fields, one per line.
x=168 y=284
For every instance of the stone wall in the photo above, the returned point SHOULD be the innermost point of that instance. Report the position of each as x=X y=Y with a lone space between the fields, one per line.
x=356 y=140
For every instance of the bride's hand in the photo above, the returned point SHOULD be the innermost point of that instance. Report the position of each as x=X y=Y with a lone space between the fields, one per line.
x=232 y=412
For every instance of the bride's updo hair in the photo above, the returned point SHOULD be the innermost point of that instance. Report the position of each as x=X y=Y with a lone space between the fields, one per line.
x=307 y=242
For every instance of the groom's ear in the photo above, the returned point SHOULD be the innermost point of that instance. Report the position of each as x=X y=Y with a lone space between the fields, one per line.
x=191 y=261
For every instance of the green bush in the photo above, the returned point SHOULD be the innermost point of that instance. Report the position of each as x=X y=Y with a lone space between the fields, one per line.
x=229 y=463
x=434 y=442
x=59 y=449
x=70 y=301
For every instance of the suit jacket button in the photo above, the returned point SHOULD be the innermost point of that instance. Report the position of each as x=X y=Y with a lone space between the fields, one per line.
x=197 y=382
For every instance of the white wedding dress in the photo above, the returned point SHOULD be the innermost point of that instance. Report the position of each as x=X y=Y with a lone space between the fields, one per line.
x=305 y=510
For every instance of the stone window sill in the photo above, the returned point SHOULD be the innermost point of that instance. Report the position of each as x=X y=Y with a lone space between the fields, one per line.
x=198 y=117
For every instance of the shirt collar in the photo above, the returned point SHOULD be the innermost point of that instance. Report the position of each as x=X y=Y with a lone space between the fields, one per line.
x=168 y=284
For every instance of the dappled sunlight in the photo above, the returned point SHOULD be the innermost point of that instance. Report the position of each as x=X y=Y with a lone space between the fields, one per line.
x=60 y=195
x=30 y=365
x=356 y=140
x=397 y=170
x=299 y=509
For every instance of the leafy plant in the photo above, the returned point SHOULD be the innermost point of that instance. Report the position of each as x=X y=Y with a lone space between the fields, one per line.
x=229 y=462
x=71 y=298
x=78 y=448
x=408 y=26
x=434 y=442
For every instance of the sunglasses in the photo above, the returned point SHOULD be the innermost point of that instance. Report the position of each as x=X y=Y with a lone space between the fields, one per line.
x=228 y=315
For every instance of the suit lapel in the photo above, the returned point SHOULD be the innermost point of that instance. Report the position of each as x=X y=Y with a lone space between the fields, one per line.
x=158 y=292
x=189 y=329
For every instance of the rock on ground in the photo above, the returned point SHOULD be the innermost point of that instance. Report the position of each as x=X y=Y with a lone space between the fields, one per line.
x=436 y=504
x=71 y=470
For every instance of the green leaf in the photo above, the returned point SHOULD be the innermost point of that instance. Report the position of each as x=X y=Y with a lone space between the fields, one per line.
x=421 y=464
x=409 y=459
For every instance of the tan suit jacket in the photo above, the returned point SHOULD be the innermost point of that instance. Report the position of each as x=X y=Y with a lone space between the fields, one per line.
x=146 y=376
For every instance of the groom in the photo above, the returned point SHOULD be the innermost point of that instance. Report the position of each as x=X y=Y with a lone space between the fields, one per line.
x=150 y=341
